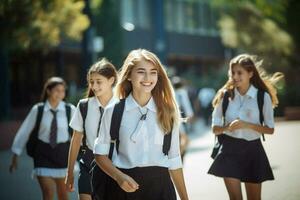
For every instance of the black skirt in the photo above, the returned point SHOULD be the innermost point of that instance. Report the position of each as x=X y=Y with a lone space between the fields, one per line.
x=84 y=179
x=46 y=156
x=243 y=160
x=154 y=184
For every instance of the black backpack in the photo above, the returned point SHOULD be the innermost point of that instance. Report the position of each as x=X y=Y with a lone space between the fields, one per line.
x=33 y=138
x=98 y=177
x=260 y=103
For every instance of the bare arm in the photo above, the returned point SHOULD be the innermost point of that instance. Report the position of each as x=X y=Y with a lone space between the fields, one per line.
x=178 y=179
x=239 y=124
x=124 y=181
x=218 y=130
x=73 y=153
x=14 y=163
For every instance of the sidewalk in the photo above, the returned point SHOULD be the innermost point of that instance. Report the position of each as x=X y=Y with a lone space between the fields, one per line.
x=282 y=148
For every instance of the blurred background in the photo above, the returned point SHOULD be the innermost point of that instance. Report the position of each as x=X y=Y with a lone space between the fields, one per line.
x=194 y=39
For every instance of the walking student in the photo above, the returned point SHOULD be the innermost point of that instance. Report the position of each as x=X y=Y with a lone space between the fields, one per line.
x=141 y=166
x=248 y=99
x=86 y=121
x=46 y=134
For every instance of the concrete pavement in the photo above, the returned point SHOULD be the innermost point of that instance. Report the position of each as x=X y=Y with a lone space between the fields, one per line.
x=282 y=148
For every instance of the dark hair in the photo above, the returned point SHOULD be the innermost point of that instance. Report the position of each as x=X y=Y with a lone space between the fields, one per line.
x=177 y=82
x=103 y=68
x=50 y=84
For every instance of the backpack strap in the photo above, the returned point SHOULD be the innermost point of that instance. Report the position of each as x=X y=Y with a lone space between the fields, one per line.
x=167 y=143
x=225 y=104
x=260 y=103
x=33 y=138
x=83 y=107
x=115 y=126
x=38 y=119
x=68 y=113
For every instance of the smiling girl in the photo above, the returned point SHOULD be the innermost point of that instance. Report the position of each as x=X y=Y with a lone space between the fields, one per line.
x=140 y=169
x=101 y=78
x=242 y=157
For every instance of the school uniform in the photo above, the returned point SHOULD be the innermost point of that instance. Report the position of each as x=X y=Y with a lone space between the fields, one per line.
x=242 y=155
x=140 y=152
x=49 y=161
x=92 y=125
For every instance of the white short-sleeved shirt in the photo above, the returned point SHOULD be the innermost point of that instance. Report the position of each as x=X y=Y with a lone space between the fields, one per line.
x=141 y=142
x=184 y=102
x=246 y=109
x=92 y=119
x=27 y=126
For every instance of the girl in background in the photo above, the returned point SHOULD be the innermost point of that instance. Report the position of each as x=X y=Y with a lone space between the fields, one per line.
x=50 y=154
x=242 y=157
x=101 y=78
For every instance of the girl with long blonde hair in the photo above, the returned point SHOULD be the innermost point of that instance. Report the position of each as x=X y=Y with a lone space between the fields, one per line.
x=140 y=169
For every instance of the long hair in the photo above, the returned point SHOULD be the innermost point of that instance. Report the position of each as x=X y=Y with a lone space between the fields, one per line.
x=163 y=93
x=103 y=68
x=51 y=83
x=260 y=79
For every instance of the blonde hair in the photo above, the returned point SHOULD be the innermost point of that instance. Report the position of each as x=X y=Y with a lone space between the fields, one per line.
x=260 y=79
x=103 y=68
x=163 y=93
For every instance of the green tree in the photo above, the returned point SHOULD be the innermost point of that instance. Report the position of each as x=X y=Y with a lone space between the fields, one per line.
x=247 y=29
x=35 y=25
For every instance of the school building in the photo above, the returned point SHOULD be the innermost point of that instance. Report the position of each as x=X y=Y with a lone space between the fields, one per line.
x=183 y=33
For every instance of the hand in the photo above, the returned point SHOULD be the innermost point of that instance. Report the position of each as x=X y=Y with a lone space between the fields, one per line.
x=14 y=164
x=237 y=124
x=69 y=182
x=127 y=183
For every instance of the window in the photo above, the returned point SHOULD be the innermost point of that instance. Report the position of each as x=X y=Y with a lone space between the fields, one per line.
x=135 y=13
x=188 y=16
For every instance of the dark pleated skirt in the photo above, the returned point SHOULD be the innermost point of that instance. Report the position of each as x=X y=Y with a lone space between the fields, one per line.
x=243 y=160
x=46 y=156
x=154 y=184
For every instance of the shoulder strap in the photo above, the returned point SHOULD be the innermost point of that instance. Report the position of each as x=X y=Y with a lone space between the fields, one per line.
x=260 y=103
x=39 y=116
x=115 y=126
x=167 y=143
x=225 y=103
x=68 y=113
x=83 y=107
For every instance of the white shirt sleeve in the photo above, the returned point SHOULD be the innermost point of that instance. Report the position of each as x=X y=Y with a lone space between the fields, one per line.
x=186 y=104
x=24 y=131
x=217 y=115
x=174 y=156
x=76 y=122
x=268 y=111
x=102 y=143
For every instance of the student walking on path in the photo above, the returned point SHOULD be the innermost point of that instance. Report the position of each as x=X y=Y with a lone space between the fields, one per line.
x=146 y=155
x=46 y=134
x=86 y=121
x=240 y=123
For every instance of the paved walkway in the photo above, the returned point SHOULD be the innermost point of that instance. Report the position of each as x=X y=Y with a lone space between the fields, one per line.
x=282 y=148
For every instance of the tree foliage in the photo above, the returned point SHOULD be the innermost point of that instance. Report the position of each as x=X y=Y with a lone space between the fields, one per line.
x=40 y=24
x=246 y=28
